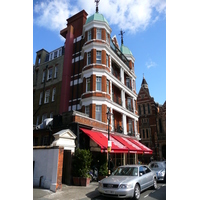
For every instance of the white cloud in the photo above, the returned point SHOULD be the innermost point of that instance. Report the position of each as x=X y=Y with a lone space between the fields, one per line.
x=131 y=15
x=150 y=64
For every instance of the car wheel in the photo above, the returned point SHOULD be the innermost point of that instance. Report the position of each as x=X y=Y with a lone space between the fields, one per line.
x=136 y=192
x=155 y=186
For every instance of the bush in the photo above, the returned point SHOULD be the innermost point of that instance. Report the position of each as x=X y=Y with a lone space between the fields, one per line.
x=81 y=163
x=103 y=170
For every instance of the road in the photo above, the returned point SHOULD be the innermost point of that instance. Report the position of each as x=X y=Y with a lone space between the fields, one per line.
x=150 y=194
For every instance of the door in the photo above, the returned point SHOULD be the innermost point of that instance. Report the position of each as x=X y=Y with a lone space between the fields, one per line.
x=66 y=174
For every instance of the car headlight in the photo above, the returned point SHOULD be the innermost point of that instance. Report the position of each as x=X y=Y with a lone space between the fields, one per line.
x=126 y=186
x=100 y=184
x=162 y=172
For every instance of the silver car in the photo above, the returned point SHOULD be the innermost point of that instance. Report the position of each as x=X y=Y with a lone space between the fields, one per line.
x=160 y=168
x=128 y=181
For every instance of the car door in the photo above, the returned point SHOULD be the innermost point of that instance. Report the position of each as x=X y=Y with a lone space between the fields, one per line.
x=142 y=178
x=148 y=176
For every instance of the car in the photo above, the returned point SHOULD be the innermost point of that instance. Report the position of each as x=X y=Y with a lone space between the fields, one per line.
x=160 y=168
x=128 y=181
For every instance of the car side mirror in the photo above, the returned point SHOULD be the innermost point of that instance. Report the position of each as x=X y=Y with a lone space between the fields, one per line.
x=141 y=174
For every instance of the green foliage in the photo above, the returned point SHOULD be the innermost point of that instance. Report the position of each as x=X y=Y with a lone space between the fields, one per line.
x=81 y=163
x=103 y=170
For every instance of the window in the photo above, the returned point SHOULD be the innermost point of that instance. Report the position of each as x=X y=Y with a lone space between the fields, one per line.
x=87 y=84
x=107 y=86
x=129 y=103
x=130 y=127
x=98 y=112
x=107 y=60
x=44 y=117
x=51 y=115
x=43 y=76
x=148 y=108
x=147 y=133
x=60 y=52
x=89 y=35
x=37 y=121
x=56 y=72
x=46 y=98
x=51 y=56
x=53 y=94
x=55 y=54
x=98 y=33
x=49 y=74
x=87 y=110
x=89 y=58
x=143 y=133
x=41 y=95
x=98 y=57
x=139 y=109
x=128 y=82
x=98 y=83
x=107 y=37
x=144 y=109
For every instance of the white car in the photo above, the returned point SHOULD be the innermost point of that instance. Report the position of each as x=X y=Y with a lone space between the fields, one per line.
x=128 y=181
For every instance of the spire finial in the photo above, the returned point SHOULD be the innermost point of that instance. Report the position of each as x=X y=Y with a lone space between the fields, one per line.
x=97 y=3
x=143 y=75
x=121 y=33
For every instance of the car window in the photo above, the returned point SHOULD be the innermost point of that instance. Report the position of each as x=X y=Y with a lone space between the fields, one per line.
x=126 y=171
x=146 y=169
x=141 y=170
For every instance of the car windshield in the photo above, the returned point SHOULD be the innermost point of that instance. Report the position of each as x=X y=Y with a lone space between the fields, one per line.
x=126 y=171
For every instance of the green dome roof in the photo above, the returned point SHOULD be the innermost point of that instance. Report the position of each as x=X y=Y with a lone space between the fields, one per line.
x=125 y=50
x=96 y=17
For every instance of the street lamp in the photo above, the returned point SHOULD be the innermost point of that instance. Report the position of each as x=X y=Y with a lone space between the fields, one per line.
x=109 y=142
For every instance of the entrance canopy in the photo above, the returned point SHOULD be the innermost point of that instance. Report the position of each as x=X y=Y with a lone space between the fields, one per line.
x=120 y=143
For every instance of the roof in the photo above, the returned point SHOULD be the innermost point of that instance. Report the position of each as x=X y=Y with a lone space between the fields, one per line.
x=144 y=81
x=96 y=17
x=125 y=50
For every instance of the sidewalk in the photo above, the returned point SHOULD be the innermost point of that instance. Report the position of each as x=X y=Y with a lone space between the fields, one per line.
x=68 y=192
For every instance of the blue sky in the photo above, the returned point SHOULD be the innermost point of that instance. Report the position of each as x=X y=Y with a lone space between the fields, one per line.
x=144 y=24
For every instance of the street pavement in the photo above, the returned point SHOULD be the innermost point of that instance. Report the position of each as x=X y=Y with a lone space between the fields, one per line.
x=68 y=192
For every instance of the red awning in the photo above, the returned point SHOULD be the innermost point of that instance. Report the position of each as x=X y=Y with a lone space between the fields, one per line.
x=102 y=140
x=133 y=148
x=145 y=149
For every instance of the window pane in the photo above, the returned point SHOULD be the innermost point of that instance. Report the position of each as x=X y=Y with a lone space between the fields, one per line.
x=98 y=57
x=89 y=58
x=98 y=83
x=87 y=84
x=98 y=33
x=98 y=112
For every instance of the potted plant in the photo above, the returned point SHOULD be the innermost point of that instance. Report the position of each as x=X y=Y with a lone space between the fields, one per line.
x=81 y=166
x=103 y=171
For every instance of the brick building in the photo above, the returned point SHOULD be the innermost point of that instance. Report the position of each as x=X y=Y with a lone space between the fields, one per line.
x=95 y=75
x=152 y=123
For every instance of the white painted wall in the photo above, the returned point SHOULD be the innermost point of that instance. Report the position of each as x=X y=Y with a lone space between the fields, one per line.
x=46 y=163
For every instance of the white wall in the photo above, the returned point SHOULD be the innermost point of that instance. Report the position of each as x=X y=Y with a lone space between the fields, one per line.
x=46 y=163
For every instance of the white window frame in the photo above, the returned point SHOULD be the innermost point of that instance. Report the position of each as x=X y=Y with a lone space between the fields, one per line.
x=87 y=84
x=98 y=35
x=49 y=73
x=98 y=57
x=89 y=35
x=60 y=52
x=107 y=60
x=87 y=110
x=41 y=95
x=56 y=72
x=55 y=54
x=98 y=115
x=107 y=86
x=53 y=94
x=46 y=97
x=98 y=83
x=43 y=76
x=130 y=125
x=89 y=58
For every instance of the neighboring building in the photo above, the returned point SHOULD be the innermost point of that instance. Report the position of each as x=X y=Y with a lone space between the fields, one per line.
x=152 y=123
x=94 y=75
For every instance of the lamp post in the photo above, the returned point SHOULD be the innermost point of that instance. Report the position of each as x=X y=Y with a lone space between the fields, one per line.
x=109 y=142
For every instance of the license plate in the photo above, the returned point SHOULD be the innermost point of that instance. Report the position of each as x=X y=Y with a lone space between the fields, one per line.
x=109 y=192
